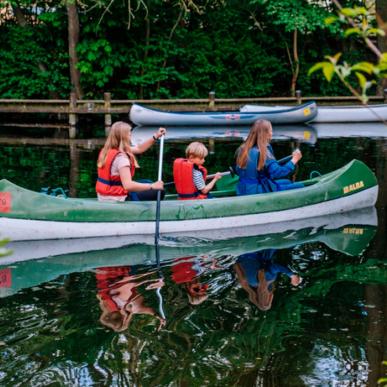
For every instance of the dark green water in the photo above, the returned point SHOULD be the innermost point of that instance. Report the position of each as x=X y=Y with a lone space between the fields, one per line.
x=58 y=324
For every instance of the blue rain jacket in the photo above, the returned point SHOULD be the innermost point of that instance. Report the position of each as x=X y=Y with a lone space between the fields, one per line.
x=270 y=179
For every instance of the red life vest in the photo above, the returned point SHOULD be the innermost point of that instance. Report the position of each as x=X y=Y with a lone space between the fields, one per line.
x=111 y=185
x=183 y=270
x=183 y=178
x=108 y=278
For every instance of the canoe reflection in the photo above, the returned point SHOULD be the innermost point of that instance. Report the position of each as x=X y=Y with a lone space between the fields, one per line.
x=348 y=233
x=257 y=272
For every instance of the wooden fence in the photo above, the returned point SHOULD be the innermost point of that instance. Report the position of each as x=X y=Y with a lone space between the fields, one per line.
x=72 y=107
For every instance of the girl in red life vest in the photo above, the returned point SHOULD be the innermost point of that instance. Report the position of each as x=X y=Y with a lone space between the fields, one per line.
x=117 y=163
x=189 y=174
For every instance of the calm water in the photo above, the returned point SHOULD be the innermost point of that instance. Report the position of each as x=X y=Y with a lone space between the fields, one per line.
x=310 y=312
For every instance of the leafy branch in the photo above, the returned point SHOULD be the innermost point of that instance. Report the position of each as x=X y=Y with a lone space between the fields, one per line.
x=360 y=24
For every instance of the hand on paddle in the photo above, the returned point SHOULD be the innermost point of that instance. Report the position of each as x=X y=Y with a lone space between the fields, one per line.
x=296 y=156
x=211 y=184
x=158 y=185
x=159 y=133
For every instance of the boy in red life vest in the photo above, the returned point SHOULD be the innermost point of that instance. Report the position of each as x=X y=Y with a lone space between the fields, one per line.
x=189 y=174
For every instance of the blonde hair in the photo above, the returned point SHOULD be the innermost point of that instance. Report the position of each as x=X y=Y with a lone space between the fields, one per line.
x=259 y=136
x=118 y=138
x=196 y=149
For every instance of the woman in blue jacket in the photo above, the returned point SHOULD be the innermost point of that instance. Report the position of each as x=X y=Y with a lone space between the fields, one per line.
x=258 y=170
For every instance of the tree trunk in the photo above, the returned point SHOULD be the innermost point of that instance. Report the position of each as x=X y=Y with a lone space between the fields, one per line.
x=381 y=11
x=296 y=66
x=73 y=38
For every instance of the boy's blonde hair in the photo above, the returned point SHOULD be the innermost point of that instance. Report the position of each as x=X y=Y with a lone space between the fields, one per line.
x=196 y=149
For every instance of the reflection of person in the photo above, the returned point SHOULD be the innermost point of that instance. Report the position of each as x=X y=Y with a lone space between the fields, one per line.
x=186 y=271
x=257 y=272
x=117 y=164
x=119 y=296
x=257 y=167
x=189 y=174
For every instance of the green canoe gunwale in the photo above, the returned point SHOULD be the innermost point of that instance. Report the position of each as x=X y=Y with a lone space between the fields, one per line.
x=25 y=204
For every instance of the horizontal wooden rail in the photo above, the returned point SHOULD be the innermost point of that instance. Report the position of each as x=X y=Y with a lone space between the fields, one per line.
x=123 y=106
x=107 y=106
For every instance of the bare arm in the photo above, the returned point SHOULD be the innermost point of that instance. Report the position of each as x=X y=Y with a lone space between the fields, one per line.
x=211 y=184
x=133 y=186
x=141 y=148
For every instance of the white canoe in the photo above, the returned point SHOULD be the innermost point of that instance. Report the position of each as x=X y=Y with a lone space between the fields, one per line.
x=353 y=113
x=145 y=116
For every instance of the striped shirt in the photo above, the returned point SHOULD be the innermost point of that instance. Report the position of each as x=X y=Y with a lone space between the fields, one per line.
x=198 y=180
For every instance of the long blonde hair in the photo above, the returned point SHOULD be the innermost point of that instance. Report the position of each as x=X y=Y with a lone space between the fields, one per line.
x=259 y=136
x=118 y=138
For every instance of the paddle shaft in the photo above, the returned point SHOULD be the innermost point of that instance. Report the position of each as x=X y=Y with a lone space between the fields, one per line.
x=231 y=172
x=208 y=177
x=157 y=232
x=158 y=204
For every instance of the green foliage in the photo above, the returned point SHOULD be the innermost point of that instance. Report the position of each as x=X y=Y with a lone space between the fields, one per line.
x=237 y=48
x=297 y=15
x=383 y=381
x=365 y=73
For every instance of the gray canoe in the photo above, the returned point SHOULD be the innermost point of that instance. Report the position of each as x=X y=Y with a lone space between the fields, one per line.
x=145 y=116
x=353 y=113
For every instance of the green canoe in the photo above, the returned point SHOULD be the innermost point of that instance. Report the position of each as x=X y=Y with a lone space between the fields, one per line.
x=28 y=215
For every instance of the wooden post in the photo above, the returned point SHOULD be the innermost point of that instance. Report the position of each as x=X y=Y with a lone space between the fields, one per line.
x=211 y=145
x=73 y=115
x=299 y=97
x=108 y=117
x=211 y=100
x=385 y=95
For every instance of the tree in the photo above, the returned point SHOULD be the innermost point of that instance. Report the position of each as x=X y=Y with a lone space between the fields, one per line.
x=296 y=17
x=73 y=38
x=359 y=22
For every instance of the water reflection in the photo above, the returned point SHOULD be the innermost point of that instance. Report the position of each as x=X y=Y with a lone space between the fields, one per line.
x=257 y=273
x=96 y=314
x=302 y=133
x=120 y=295
x=186 y=271
x=35 y=262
